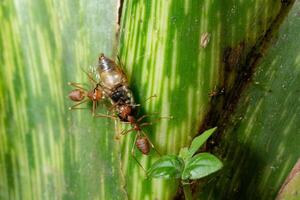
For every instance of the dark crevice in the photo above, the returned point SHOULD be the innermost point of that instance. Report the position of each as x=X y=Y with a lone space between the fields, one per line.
x=117 y=29
x=239 y=64
x=121 y=2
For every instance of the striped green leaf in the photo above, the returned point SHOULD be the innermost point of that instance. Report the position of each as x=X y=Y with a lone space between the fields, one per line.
x=186 y=52
x=46 y=151
x=183 y=51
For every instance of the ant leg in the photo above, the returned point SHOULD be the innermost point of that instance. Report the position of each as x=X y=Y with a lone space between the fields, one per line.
x=125 y=122
x=144 y=116
x=124 y=132
x=103 y=115
x=113 y=106
x=76 y=85
x=77 y=104
x=151 y=123
x=152 y=145
x=146 y=124
x=90 y=77
x=150 y=98
x=132 y=153
x=100 y=115
x=158 y=119
x=155 y=113
x=94 y=107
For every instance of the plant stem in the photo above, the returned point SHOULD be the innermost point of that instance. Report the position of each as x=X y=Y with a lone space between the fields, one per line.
x=187 y=191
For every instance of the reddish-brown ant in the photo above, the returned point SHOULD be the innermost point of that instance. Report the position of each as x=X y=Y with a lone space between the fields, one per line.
x=141 y=141
x=82 y=95
x=216 y=92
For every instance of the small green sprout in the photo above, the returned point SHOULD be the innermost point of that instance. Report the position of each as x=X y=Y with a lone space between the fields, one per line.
x=187 y=166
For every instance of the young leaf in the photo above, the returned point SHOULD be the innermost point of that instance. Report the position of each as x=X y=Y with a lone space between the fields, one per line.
x=184 y=153
x=199 y=141
x=169 y=166
x=201 y=165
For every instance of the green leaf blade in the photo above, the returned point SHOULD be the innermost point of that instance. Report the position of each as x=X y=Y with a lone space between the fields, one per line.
x=201 y=165
x=169 y=166
x=199 y=141
x=54 y=153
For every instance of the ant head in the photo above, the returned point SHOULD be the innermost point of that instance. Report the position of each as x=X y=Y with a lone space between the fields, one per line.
x=136 y=126
x=76 y=95
x=95 y=94
x=101 y=57
x=125 y=112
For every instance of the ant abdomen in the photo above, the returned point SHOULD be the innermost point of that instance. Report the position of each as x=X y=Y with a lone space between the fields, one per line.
x=106 y=63
x=110 y=73
x=143 y=145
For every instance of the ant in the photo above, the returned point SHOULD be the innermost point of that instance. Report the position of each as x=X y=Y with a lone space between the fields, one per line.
x=82 y=95
x=216 y=92
x=141 y=141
